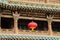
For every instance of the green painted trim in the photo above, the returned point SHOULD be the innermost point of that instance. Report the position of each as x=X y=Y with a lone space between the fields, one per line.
x=30 y=37
x=32 y=6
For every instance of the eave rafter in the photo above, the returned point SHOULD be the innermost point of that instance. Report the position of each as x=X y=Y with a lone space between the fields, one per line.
x=30 y=8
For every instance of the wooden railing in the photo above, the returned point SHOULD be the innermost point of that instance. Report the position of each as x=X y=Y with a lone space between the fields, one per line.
x=33 y=32
x=56 y=33
x=7 y=31
x=28 y=32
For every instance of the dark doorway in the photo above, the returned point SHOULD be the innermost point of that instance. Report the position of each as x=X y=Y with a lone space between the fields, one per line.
x=6 y=23
x=56 y=26
x=22 y=24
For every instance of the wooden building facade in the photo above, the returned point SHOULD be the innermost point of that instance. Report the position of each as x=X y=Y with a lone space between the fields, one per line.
x=14 y=17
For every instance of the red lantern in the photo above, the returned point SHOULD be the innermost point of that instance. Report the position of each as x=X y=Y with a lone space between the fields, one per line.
x=32 y=25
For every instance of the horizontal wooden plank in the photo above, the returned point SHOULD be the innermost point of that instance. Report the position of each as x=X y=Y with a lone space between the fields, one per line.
x=31 y=18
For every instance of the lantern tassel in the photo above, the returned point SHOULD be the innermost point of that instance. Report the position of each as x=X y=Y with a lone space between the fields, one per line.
x=32 y=29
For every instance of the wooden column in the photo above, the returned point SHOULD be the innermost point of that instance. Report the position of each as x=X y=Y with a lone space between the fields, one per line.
x=49 y=25
x=0 y=22
x=16 y=17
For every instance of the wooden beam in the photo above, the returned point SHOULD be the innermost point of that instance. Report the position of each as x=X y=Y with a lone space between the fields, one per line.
x=31 y=18
x=56 y=20
x=7 y=16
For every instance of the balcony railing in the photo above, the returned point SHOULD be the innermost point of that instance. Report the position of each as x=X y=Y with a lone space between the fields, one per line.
x=28 y=32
